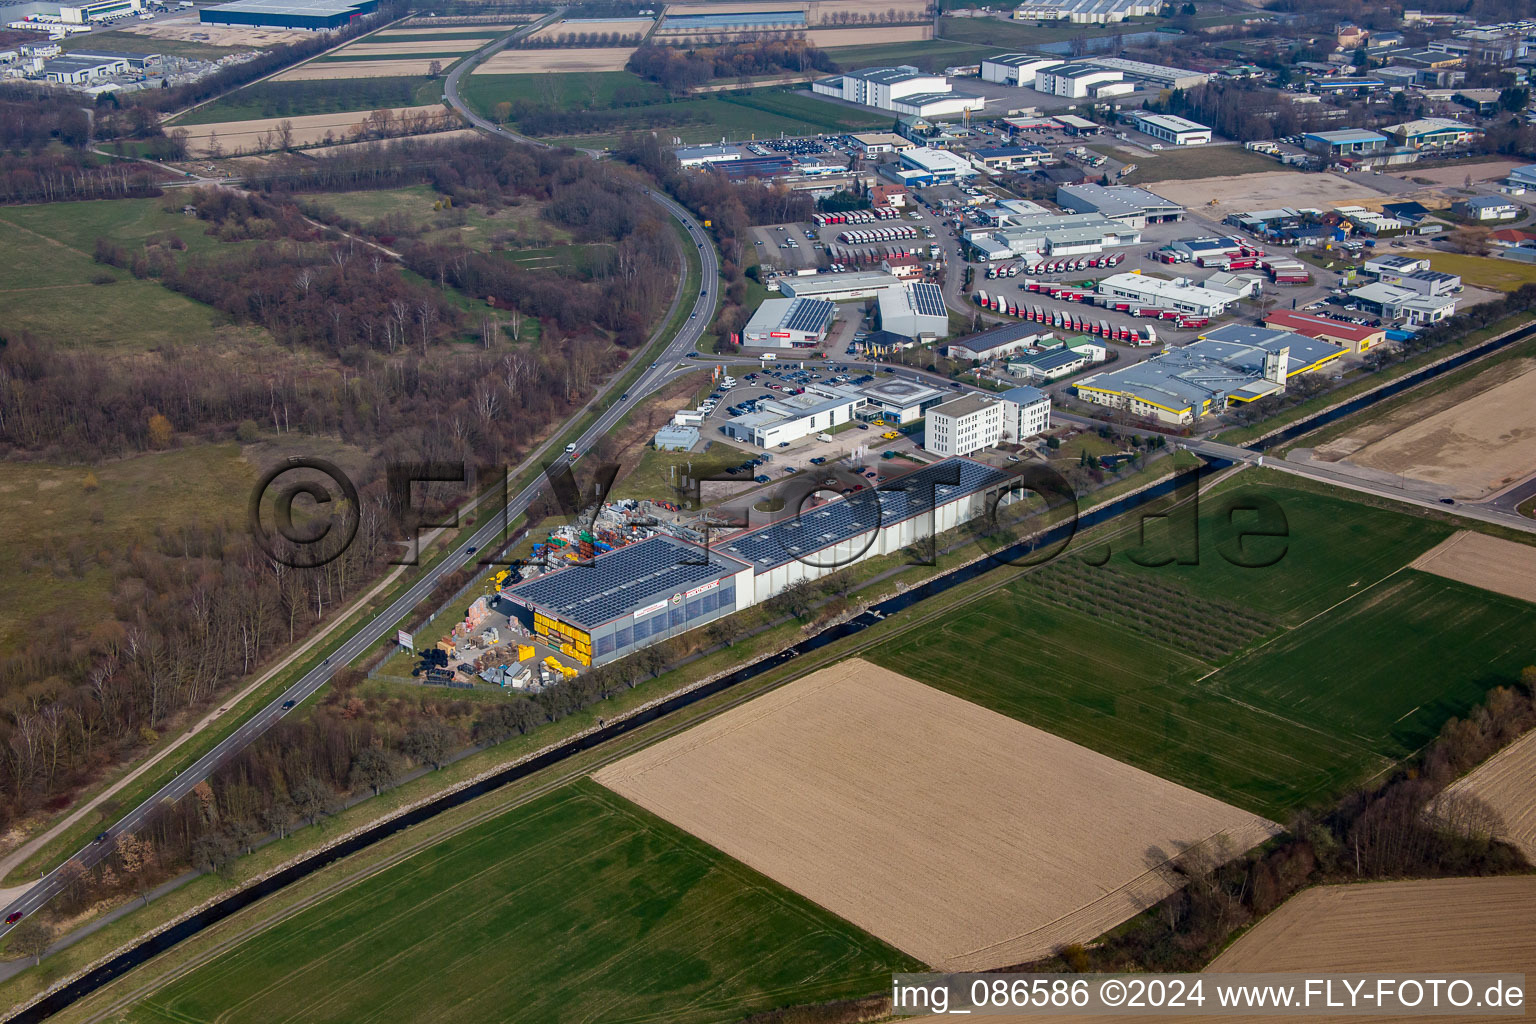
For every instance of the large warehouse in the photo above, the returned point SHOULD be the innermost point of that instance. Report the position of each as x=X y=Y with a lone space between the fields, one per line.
x=902 y=89
x=313 y=14
x=630 y=598
x=1016 y=68
x=860 y=284
x=916 y=311
x=1180 y=131
x=1123 y=204
x=1076 y=81
x=789 y=323
x=634 y=596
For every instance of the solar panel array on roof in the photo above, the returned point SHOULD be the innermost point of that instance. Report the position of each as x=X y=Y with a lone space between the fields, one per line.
x=809 y=315
x=813 y=530
x=617 y=583
x=928 y=300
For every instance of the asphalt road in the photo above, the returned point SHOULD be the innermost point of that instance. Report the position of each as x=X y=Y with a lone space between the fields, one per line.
x=655 y=376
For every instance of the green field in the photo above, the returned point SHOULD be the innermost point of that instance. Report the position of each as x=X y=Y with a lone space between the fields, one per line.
x=576 y=907
x=1483 y=271
x=46 y=272
x=133 y=42
x=934 y=55
x=996 y=32
x=811 y=110
x=298 y=99
x=467 y=32
x=1190 y=162
x=1350 y=663
x=598 y=91
x=519 y=226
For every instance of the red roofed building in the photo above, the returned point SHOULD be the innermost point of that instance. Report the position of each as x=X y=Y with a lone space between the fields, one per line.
x=908 y=268
x=888 y=195
x=1351 y=337
x=1510 y=236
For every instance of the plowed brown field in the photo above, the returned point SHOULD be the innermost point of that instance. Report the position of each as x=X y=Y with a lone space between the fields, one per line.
x=1492 y=563
x=1506 y=783
x=959 y=835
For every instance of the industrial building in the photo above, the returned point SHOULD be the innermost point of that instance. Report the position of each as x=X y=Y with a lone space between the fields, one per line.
x=1124 y=204
x=789 y=323
x=875 y=143
x=861 y=284
x=1228 y=365
x=1350 y=337
x=996 y=343
x=1159 y=75
x=100 y=10
x=902 y=89
x=676 y=437
x=702 y=156
x=1345 y=142
x=934 y=167
x=1010 y=158
x=1086 y=12
x=869 y=523
x=311 y=14
x=1433 y=133
x=1076 y=81
x=1049 y=364
x=631 y=597
x=637 y=595
x=1058 y=234
x=916 y=311
x=1486 y=208
x=787 y=418
x=902 y=400
x=1176 y=130
x=1183 y=295
x=72 y=70
x=1017 y=69
x=1394 y=302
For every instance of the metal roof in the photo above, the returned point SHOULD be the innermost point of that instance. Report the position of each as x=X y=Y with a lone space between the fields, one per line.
x=812 y=530
x=310 y=7
x=615 y=584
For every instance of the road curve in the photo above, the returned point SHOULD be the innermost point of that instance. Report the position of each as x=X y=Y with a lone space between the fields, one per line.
x=653 y=378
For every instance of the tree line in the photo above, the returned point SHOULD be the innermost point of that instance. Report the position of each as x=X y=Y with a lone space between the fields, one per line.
x=681 y=70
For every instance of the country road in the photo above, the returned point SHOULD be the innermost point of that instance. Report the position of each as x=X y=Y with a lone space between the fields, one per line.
x=359 y=642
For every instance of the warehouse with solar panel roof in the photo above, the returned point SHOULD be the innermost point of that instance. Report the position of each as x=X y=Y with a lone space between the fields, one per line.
x=638 y=595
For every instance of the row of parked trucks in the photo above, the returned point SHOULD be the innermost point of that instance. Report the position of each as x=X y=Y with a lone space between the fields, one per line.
x=1067 y=320
x=821 y=220
x=864 y=236
x=1239 y=256
x=1035 y=266
x=872 y=254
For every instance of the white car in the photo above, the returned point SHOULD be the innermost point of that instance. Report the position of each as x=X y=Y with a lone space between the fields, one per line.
x=570 y=448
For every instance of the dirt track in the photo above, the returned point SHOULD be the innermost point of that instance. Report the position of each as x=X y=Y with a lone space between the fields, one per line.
x=916 y=815
x=1492 y=563
x=540 y=62
x=1504 y=783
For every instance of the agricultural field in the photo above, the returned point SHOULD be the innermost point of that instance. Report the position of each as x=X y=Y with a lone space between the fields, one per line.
x=1469 y=440
x=558 y=61
x=1445 y=924
x=1502 y=785
x=932 y=55
x=1479 y=560
x=577 y=906
x=600 y=90
x=48 y=278
x=342 y=71
x=265 y=135
x=913 y=814
x=302 y=99
x=885 y=35
x=1308 y=677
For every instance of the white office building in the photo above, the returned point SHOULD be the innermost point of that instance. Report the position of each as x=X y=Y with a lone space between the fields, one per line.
x=780 y=420
x=701 y=156
x=973 y=423
x=1170 y=128
x=1017 y=69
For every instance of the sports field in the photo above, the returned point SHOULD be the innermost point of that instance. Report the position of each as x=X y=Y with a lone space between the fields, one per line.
x=1362 y=660
x=576 y=907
